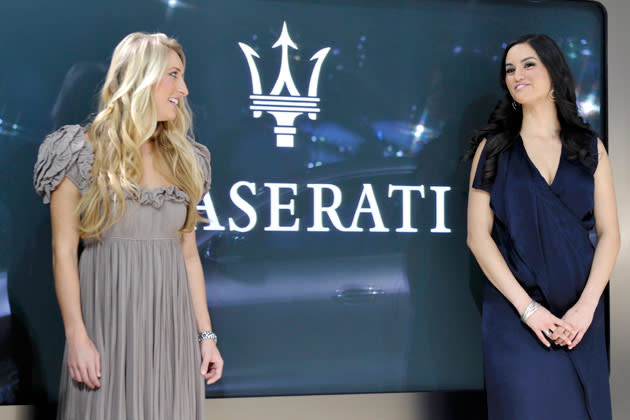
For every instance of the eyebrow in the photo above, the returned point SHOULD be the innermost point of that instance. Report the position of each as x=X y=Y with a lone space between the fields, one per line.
x=523 y=60
x=176 y=68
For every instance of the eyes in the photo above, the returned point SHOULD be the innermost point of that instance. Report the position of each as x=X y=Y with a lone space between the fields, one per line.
x=527 y=65
x=175 y=73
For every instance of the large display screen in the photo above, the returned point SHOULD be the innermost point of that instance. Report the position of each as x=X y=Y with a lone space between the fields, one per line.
x=335 y=253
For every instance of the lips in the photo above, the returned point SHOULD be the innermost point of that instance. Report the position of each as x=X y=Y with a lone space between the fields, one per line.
x=520 y=86
x=173 y=101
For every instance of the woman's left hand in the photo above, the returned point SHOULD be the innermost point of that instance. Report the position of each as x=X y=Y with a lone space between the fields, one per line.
x=580 y=316
x=211 y=361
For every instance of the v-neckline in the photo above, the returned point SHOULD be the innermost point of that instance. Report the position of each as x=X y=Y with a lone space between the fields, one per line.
x=540 y=175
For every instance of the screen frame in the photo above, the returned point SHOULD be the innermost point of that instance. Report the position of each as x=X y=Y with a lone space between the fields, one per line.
x=399 y=406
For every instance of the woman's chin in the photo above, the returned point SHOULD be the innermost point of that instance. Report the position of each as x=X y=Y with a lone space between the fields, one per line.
x=167 y=118
x=528 y=100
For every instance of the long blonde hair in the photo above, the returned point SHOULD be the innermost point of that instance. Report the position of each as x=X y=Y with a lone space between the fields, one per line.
x=127 y=118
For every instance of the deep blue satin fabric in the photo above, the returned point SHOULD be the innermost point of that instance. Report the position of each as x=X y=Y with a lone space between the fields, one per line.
x=543 y=233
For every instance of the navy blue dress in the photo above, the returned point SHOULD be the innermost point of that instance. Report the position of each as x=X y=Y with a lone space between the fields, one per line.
x=544 y=233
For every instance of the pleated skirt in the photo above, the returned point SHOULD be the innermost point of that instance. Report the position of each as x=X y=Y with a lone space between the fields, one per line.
x=137 y=309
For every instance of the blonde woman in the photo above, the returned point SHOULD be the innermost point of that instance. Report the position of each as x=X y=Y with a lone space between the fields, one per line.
x=139 y=341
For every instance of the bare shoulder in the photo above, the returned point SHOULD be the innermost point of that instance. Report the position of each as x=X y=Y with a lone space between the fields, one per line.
x=603 y=171
x=480 y=147
x=475 y=161
x=602 y=157
x=477 y=156
x=601 y=149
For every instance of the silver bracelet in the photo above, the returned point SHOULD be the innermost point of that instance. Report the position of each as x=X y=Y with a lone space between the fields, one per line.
x=529 y=311
x=207 y=335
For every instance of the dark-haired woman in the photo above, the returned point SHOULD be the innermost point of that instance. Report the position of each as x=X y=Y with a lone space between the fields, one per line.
x=542 y=223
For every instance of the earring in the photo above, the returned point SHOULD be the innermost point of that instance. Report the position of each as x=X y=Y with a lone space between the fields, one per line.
x=552 y=95
x=515 y=105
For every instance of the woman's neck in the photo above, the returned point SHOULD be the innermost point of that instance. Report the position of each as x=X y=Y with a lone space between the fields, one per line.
x=146 y=148
x=540 y=121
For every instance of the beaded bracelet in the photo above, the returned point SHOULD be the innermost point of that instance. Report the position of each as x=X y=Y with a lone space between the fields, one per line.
x=207 y=335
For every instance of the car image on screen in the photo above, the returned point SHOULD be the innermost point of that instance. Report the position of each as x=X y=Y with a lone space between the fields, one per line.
x=347 y=310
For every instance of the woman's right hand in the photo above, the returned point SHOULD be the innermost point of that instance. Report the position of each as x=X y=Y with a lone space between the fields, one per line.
x=84 y=361
x=545 y=324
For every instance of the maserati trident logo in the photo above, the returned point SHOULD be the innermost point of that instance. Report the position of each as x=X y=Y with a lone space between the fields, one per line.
x=278 y=204
x=285 y=109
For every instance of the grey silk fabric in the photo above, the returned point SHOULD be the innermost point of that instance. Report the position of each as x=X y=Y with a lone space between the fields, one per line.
x=135 y=299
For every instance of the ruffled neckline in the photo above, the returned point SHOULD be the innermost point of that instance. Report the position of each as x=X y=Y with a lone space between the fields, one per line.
x=154 y=197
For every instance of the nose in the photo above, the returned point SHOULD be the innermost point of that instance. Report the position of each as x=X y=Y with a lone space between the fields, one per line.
x=181 y=88
x=518 y=74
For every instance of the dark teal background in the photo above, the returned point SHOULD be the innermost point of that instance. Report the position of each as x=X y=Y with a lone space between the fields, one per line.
x=296 y=312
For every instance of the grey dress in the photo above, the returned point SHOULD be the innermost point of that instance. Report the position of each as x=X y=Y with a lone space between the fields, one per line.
x=135 y=298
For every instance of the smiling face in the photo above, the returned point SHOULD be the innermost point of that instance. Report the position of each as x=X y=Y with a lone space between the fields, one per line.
x=526 y=77
x=169 y=90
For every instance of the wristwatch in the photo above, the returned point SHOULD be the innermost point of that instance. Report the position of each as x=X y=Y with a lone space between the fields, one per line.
x=207 y=335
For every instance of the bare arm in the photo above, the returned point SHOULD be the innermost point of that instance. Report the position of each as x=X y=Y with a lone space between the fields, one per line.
x=485 y=250
x=608 y=244
x=83 y=358
x=212 y=363
x=483 y=247
x=196 y=281
x=607 y=226
x=65 y=241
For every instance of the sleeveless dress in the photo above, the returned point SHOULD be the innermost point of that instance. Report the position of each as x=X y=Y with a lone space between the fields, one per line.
x=135 y=298
x=545 y=234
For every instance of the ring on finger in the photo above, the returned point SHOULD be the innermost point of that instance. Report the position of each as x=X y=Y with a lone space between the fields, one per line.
x=549 y=332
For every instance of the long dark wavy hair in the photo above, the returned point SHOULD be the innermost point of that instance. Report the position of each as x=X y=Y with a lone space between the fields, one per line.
x=504 y=123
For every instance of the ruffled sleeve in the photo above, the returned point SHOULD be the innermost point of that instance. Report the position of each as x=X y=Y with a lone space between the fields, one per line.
x=203 y=159
x=63 y=153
